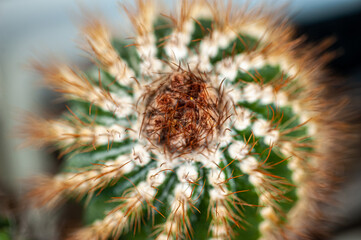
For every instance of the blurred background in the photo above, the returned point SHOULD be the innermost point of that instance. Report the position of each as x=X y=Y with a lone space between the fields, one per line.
x=43 y=28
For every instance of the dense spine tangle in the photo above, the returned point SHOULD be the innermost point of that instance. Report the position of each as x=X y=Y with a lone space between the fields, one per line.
x=206 y=126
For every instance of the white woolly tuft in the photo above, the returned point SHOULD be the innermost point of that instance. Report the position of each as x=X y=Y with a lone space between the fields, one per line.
x=216 y=194
x=176 y=46
x=252 y=92
x=216 y=177
x=182 y=190
x=248 y=164
x=146 y=190
x=162 y=237
x=271 y=137
x=267 y=95
x=126 y=162
x=187 y=173
x=122 y=73
x=261 y=127
x=258 y=61
x=124 y=106
x=225 y=138
x=227 y=68
x=243 y=119
x=147 y=50
x=200 y=62
x=281 y=99
x=242 y=62
x=219 y=230
x=151 y=66
x=210 y=45
x=155 y=177
x=146 y=46
x=256 y=178
x=238 y=150
x=140 y=155
x=213 y=160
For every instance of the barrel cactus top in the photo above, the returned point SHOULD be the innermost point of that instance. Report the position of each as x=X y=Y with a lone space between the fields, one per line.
x=211 y=123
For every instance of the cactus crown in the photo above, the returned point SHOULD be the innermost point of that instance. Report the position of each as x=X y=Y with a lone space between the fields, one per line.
x=205 y=127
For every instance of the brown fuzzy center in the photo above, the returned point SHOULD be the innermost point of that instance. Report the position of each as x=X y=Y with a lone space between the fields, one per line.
x=182 y=113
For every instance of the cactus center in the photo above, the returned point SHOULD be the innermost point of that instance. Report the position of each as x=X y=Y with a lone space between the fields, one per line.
x=182 y=113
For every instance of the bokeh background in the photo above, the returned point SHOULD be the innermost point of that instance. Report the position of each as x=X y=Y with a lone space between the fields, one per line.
x=42 y=28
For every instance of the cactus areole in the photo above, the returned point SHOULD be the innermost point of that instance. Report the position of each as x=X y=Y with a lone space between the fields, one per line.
x=183 y=114
x=210 y=124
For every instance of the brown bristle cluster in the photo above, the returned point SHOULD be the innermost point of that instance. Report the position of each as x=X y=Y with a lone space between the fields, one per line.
x=182 y=113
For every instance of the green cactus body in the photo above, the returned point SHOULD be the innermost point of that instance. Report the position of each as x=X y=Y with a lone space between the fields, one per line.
x=205 y=127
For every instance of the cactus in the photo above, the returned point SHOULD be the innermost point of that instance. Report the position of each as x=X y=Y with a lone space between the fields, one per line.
x=211 y=124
